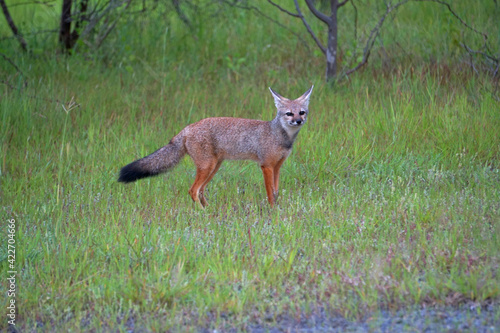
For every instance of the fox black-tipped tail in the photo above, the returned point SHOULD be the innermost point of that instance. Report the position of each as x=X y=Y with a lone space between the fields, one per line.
x=158 y=162
x=133 y=171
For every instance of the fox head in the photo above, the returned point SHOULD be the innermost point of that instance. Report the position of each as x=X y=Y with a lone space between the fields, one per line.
x=292 y=114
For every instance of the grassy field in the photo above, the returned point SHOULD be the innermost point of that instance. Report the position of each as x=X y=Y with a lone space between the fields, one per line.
x=389 y=200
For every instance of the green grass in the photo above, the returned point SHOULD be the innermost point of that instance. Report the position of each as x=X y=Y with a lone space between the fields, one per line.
x=390 y=198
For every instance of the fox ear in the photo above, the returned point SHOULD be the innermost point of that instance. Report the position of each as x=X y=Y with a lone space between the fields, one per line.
x=278 y=99
x=304 y=99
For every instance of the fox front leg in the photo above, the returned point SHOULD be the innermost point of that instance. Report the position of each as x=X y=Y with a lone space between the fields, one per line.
x=276 y=173
x=268 y=173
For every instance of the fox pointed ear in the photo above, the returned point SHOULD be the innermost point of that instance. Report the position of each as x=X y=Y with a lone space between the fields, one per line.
x=278 y=99
x=304 y=99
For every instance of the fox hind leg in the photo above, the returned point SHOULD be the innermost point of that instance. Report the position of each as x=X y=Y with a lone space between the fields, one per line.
x=202 y=189
x=194 y=191
x=203 y=175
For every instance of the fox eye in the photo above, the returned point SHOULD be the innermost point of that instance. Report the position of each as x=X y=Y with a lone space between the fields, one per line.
x=289 y=114
x=302 y=113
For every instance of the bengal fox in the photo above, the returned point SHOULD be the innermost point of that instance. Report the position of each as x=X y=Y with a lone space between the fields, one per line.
x=213 y=140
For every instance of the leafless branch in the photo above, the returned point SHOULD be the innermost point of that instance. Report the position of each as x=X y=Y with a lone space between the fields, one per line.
x=317 y=13
x=373 y=36
x=495 y=61
x=487 y=55
x=13 y=64
x=48 y=3
x=390 y=8
x=444 y=3
x=9 y=85
x=81 y=16
x=98 y=14
x=283 y=9
x=108 y=27
x=342 y=3
x=302 y=17
x=32 y=34
x=181 y=14
x=13 y=26
x=258 y=11
x=355 y=20
x=103 y=35
x=314 y=37
x=25 y=83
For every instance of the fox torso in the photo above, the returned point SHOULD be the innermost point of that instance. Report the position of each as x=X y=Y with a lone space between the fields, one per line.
x=237 y=139
x=213 y=140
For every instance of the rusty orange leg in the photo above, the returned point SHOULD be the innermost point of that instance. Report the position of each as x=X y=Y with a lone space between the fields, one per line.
x=202 y=189
x=277 y=178
x=269 y=182
x=202 y=174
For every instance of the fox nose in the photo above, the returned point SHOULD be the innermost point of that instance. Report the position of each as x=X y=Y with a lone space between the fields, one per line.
x=298 y=122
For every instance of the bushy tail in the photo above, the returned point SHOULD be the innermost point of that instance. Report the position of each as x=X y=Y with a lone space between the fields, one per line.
x=158 y=162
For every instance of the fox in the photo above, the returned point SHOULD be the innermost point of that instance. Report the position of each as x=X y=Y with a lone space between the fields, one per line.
x=210 y=141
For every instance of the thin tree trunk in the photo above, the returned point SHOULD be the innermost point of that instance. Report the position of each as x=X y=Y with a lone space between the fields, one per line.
x=331 y=50
x=12 y=26
x=65 y=32
x=81 y=18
